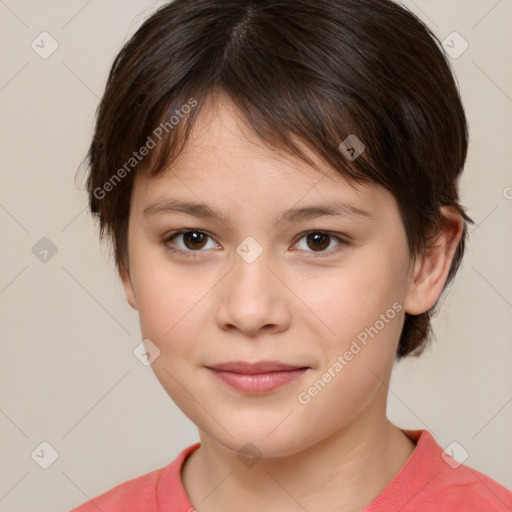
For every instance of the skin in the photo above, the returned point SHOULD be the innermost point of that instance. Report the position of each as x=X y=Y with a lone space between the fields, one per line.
x=284 y=306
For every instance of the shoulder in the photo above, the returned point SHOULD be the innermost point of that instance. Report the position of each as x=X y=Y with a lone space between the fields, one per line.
x=161 y=487
x=434 y=480
x=449 y=485
x=130 y=496
x=467 y=489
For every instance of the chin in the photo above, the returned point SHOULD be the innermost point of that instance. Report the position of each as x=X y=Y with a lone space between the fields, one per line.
x=262 y=440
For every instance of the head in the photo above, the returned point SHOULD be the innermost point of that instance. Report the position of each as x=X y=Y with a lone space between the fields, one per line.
x=253 y=110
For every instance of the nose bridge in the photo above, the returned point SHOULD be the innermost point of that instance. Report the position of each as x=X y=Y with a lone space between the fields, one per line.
x=251 y=297
x=250 y=267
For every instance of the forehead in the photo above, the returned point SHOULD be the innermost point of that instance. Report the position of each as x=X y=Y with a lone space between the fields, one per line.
x=225 y=163
x=222 y=139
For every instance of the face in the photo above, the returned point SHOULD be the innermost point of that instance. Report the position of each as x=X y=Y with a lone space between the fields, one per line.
x=321 y=293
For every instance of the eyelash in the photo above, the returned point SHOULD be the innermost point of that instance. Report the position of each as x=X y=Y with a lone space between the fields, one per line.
x=191 y=254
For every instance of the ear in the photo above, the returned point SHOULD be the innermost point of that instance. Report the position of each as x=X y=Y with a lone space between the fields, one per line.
x=128 y=288
x=432 y=267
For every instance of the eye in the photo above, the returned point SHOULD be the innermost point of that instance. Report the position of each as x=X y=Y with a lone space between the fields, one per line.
x=193 y=241
x=319 y=241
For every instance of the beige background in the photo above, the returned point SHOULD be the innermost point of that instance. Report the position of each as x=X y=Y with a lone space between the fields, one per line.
x=68 y=375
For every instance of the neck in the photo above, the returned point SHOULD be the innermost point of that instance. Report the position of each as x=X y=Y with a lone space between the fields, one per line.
x=351 y=467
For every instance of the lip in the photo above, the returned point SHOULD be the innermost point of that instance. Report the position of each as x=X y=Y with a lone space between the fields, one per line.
x=257 y=378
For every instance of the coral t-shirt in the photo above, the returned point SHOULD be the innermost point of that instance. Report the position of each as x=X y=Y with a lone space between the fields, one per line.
x=429 y=481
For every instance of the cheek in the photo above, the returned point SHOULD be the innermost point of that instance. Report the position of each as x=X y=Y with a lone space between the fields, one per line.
x=350 y=298
x=175 y=313
x=168 y=304
x=164 y=291
x=171 y=315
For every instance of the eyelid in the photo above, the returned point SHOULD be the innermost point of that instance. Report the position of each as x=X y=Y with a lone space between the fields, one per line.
x=344 y=241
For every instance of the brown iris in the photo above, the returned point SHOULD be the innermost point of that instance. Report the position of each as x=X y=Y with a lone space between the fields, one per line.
x=318 y=241
x=194 y=239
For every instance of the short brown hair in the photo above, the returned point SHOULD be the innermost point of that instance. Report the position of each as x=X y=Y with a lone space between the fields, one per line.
x=297 y=70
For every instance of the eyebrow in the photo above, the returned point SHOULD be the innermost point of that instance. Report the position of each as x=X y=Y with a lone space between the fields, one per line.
x=201 y=210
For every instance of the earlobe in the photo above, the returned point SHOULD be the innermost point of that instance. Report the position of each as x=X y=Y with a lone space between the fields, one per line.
x=128 y=288
x=432 y=267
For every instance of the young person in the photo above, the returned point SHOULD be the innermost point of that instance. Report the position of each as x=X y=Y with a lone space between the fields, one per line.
x=279 y=182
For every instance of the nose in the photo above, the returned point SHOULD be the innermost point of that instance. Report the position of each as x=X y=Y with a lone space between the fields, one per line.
x=253 y=298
